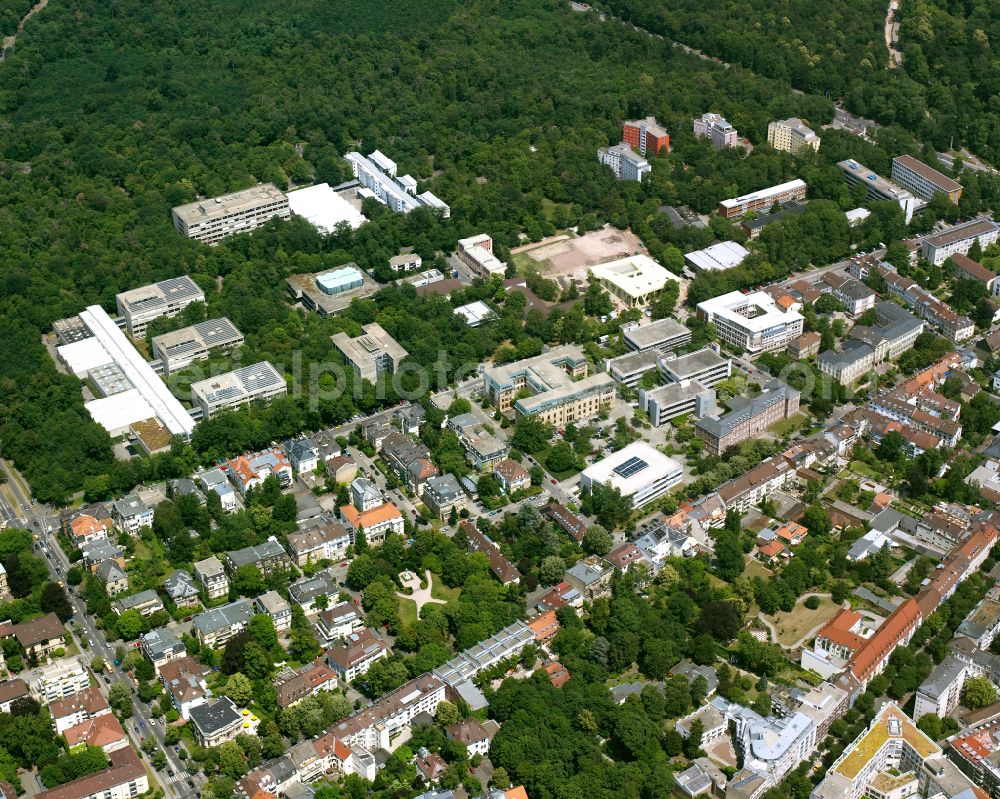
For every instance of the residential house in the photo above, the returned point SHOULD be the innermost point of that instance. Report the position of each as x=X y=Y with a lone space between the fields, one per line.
x=561 y=595
x=430 y=765
x=216 y=722
x=130 y=514
x=341 y=468
x=251 y=470
x=182 y=589
x=544 y=626
x=591 y=576
x=75 y=709
x=352 y=655
x=104 y=732
x=125 y=778
x=10 y=692
x=418 y=473
x=338 y=621
x=212 y=575
x=162 y=646
x=512 y=476
x=303 y=454
x=442 y=494
x=310 y=592
x=268 y=557
x=571 y=524
x=184 y=681
x=277 y=608
x=365 y=495
x=146 y=602
x=85 y=528
x=376 y=523
x=410 y=417
x=38 y=637
x=502 y=568
x=113 y=576
x=100 y=550
x=216 y=626
x=473 y=734
x=399 y=451
x=324 y=539
x=215 y=481
x=294 y=685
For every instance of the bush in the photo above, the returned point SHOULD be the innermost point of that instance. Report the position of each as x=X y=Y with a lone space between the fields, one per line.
x=812 y=602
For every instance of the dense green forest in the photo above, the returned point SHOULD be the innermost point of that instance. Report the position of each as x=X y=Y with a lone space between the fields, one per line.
x=945 y=92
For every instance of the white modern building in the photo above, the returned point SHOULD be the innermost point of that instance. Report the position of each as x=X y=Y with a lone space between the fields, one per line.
x=377 y=174
x=261 y=381
x=142 y=305
x=763 y=200
x=372 y=353
x=939 y=247
x=922 y=180
x=663 y=334
x=753 y=322
x=180 y=348
x=941 y=691
x=59 y=680
x=323 y=208
x=476 y=252
x=212 y=219
x=716 y=258
x=625 y=162
x=640 y=471
x=704 y=365
x=879 y=188
x=635 y=281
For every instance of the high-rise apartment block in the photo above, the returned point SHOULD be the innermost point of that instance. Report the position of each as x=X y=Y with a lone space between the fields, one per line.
x=141 y=306
x=212 y=219
x=716 y=129
x=791 y=135
x=625 y=162
x=646 y=135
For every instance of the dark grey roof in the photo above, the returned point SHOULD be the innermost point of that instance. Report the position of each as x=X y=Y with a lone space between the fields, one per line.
x=212 y=717
x=251 y=556
x=161 y=641
x=135 y=600
x=220 y=618
x=740 y=407
x=945 y=674
x=444 y=488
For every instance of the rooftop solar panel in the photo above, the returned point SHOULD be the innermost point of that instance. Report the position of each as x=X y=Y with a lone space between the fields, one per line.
x=630 y=467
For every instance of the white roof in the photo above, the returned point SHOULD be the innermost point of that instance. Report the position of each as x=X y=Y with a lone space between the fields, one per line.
x=857 y=215
x=475 y=313
x=724 y=255
x=324 y=208
x=153 y=391
x=119 y=410
x=636 y=275
x=732 y=306
x=763 y=194
x=609 y=471
x=84 y=355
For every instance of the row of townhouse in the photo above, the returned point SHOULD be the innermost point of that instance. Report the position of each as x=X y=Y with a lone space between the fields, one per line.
x=954 y=326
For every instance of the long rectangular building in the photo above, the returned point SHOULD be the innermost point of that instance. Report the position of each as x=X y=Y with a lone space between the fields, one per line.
x=939 y=247
x=748 y=417
x=879 y=188
x=764 y=199
x=141 y=306
x=562 y=390
x=922 y=180
x=663 y=334
x=180 y=348
x=125 y=778
x=212 y=219
x=377 y=174
x=261 y=381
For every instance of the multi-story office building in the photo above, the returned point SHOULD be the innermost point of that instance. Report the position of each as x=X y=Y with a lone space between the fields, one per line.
x=179 y=348
x=562 y=390
x=635 y=281
x=939 y=247
x=377 y=174
x=705 y=365
x=629 y=369
x=476 y=252
x=625 y=162
x=663 y=334
x=922 y=180
x=667 y=402
x=715 y=128
x=261 y=381
x=879 y=188
x=212 y=219
x=141 y=306
x=646 y=135
x=791 y=135
x=640 y=471
x=748 y=417
x=753 y=322
x=372 y=353
x=763 y=200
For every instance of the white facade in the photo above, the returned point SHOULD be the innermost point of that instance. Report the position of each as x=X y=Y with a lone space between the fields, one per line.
x=261 y=381
x=752 y=322
x=625 y=162
x=59 y=680
x=640 y=471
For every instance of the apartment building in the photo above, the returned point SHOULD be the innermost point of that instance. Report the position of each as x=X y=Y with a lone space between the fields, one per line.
x=647 y=136
x=146 y=602
x=894 y=333
x=212 y=575
x=180 y=348
x=879 y=188
x=753 y=322
x=855 y=295
x=271 y=604
x=939 y=247
x=142 y=305
x=791 y=135
x=352 y=655
x=294 y=685
x=215 y=218
x=162 y=646
x=215 y=627
x=76 y=709
x=125 y=778
x=717 y=130
x=476 y=252
x=372 y=353
x=131 y=514
x=325 y=540
x=640 y=471
x=216 y=722
x=309 y=592
x=376 y=523
x=625 y=163
x=922 y=180
x=663 y=334
x=377 y=175
x=562 y=390
x=942 y=690
x=184 y=681
x=269 y=556
x=261 y=381
x=967 y=269
x=251 y=470
x=925 y=305
x=477 y=541
x=743 y=492
x=763 y=200
x=748 y=417
x=12 y=691
x=59 y=680
x=38 y=637
x=338 y=621
x=442 y=494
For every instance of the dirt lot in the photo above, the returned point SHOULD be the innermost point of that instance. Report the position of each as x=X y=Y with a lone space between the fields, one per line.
x=566 y=257
x=793 y=626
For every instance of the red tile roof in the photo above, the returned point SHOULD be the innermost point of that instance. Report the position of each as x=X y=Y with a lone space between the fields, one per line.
x=877 y=649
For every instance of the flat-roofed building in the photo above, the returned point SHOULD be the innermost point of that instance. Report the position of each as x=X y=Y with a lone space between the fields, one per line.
x=704 y=365
x=476 y=252
x=763 y=200
x=753 y=322
x=640 y=471
x=562 y=390
x=324 y=208
x=330 y=292
x=667 y=402
x=372 y=353
x=879 y=188
x=791 y=135
x=635 y=281
x=940 y=692
x=646 y=135
x=752 y=228
x=212 y=219
x=663 y=334
x=939 y=247
x=629 y=369
x=922 y=180
x=748 y=417
x=177 y=349
x=377 y=174
x=715 y=128
x=625 y=162
x=717 y=257
x=261 y=381
x=169 y=297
